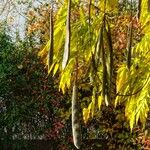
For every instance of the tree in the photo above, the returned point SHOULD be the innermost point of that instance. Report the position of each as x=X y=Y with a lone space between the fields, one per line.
x=85 y=49
x=28 y=102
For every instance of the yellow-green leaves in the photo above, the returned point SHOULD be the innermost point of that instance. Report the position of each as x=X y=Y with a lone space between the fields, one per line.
x=66 y=76
x=137 y=96
x=68 y=34
x=143 y=47
x=122 y=77
x=44 y=51
x=137 y=109
x=88 y=113
x=145 y=15
x=99 y=102
x=111 y=6
x=96 y=56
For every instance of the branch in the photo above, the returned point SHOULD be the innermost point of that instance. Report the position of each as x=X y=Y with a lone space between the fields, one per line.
x=131 y=94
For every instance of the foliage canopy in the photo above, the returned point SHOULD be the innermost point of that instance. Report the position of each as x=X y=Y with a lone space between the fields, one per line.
x=92 y=25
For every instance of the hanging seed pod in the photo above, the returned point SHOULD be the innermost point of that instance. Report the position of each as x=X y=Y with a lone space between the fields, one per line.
x=75 y=118
x=68 y=36
x=76 y=128
x=148 y=5
x=104 y=77
x=139 y=8
x=129 y=47
x=110 y=62
x=104 y=66
x=50 y=52
x=98 y=47
x=129 y=44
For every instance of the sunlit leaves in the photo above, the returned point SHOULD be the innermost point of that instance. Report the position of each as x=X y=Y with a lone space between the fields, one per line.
x=99 y=102
x=44 y=51
x=65 y=81
x=143 y=47
x=133 y=89
x=122 y=77
x=111 y=6
x=88 y=113
x=145 y=15
x=137 y=108
x=88 y=45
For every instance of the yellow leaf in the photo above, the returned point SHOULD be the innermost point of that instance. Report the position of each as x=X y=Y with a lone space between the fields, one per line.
x=99 y=102
x=132 y=120
x=111 y=6
x=44 y=50
x=93 y=106
x=51 y=68
x=55 y=69
x=85 y=115
x=66 y=76
x=116 y=100
x=122 y=77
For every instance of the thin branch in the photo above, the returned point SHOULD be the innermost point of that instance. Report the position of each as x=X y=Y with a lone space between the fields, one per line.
x=131 y=94
x=15 y=7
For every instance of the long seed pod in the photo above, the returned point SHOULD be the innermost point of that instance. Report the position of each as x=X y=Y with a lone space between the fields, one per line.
x=76 y=128
x=105 y=95
x=98 y=47
x=129 y=44
x=139 y=8
x=110 y=65
x=148 y=5
x=90 y=2
x=50 y=52
x=104 y=77
x=68 y=36
x=129 y=47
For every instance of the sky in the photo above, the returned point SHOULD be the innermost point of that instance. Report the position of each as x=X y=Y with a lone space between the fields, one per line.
x=13 y=12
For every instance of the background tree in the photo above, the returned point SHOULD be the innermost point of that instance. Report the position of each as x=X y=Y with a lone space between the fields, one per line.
x=28 y=105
